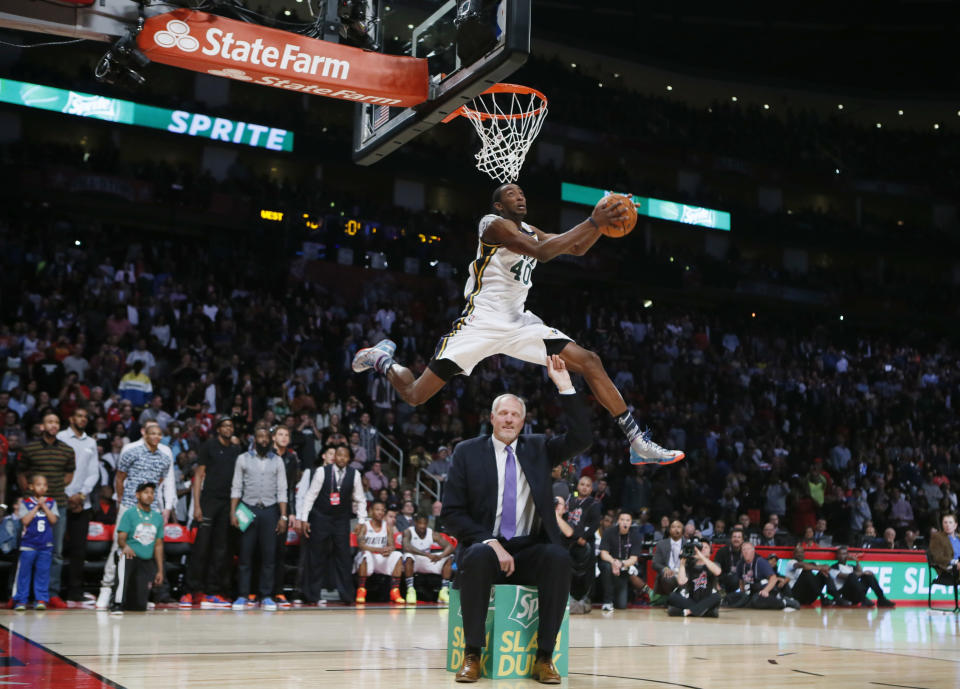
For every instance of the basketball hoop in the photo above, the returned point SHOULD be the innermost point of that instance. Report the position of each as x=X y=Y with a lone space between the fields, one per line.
x=507 y=118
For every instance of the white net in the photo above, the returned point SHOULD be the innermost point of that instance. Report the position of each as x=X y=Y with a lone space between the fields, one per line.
x=507 y=123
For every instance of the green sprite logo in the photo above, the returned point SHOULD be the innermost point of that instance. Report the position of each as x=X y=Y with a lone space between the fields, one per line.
x=526 y=607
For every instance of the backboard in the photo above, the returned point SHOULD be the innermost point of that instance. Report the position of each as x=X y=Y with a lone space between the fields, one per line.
x=426 y=30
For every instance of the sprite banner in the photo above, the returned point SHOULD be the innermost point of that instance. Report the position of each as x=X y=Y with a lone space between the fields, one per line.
x=510 y=647
x=652 y=208
x=128 y=112
x=901 y=580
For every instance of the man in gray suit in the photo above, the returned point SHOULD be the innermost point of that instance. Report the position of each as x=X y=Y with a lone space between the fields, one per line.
x=666 y=560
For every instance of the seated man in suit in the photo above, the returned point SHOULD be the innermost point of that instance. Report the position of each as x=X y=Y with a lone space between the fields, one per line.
x=666 y=559
x=945 y=550
x=498 y=503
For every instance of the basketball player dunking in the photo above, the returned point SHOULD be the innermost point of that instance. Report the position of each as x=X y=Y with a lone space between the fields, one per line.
x=494 y=320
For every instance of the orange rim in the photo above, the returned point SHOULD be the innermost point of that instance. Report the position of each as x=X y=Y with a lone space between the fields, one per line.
x=516 y=89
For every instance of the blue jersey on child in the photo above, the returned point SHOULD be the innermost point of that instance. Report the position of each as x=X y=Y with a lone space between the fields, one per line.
x=38 y=534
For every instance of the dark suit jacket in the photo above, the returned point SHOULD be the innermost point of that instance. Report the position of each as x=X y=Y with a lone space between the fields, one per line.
x=661 y=554
x=470 y=495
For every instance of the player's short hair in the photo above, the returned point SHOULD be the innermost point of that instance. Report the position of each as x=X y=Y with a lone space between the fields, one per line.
x=499 y=398
x=147 y=484
x=420 y=517
x=378 y=502
x=498 y=193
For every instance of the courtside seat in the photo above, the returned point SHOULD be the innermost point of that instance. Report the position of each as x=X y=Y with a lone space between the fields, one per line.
x=177 y=542
x=939 y=576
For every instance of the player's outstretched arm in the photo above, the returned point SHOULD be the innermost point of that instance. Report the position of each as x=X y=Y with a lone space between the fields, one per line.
x=578 y=437
x=575 y=241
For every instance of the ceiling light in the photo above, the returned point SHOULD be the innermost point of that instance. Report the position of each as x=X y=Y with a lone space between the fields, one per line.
x=900 y=112
x=573 y=64
x=409 y=26
x=734 y=99
x=286 y=12
x=879 y=125
x=840 y=106
x=936 y=125
x=670 y=88
x=766 y=106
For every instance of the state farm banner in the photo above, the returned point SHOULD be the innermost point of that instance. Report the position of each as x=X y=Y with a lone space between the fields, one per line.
x=260 y=55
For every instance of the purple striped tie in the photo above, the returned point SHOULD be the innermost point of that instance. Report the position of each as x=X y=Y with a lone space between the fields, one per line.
x=508 y=516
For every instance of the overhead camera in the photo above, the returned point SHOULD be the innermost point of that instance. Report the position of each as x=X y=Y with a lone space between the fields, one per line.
x=123 y=61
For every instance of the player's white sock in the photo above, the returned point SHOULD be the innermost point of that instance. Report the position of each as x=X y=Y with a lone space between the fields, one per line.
x=383 y=364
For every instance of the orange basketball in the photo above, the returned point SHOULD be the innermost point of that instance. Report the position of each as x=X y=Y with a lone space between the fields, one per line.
x=625 y=226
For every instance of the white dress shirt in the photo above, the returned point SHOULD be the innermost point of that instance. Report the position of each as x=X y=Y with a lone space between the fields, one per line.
x=525 y=511
x=316 y=485
x=87 y=471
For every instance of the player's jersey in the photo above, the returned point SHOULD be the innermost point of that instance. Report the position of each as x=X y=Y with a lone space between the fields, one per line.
x=499 y=279
x=422 y=544
x=375 y=539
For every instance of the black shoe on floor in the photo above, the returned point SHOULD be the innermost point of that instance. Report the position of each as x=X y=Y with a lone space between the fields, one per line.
x=886 y=603
x=844 y=603
x=712 y=612
x=827 y=602
x=866 y=603
x=674 y=611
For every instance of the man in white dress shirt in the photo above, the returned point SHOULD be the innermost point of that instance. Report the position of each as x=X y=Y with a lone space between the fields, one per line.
x=335 y=492
x=85 y=479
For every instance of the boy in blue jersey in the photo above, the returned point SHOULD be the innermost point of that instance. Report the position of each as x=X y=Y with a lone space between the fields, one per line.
x=38 y=514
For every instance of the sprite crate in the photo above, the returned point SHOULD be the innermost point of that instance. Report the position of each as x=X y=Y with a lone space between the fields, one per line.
x=510 y=646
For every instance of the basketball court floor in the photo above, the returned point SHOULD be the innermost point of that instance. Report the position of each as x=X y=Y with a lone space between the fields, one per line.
x=404 y=648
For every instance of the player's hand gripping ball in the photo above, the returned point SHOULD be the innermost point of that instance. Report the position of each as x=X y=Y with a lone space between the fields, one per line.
x=615 y=222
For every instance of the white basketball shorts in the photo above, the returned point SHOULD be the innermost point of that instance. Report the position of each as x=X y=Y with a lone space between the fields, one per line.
x=424 y=565
x=376 y=563
x=484 y=333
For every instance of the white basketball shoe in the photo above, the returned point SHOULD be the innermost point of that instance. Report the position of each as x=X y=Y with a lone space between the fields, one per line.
x=645 y=451
x=379 y=357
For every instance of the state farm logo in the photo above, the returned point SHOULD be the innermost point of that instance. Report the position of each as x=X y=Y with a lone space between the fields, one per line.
x=177 y=34
x=526 y=607
x=257 y=53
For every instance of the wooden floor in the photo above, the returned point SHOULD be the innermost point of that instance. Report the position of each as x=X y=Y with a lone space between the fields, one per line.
x=401 y=648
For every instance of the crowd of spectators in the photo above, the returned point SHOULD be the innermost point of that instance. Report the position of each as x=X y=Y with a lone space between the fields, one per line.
x=796 y=429
x=802 y=423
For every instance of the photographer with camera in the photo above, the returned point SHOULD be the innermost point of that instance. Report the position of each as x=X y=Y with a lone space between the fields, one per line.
x=729 y=559
x=619 y=553
x=758 y=584
x=697 y=575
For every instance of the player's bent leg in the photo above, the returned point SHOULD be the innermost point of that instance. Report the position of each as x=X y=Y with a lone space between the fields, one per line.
x=642 y=449
x=415 y=391
x=589 y=365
